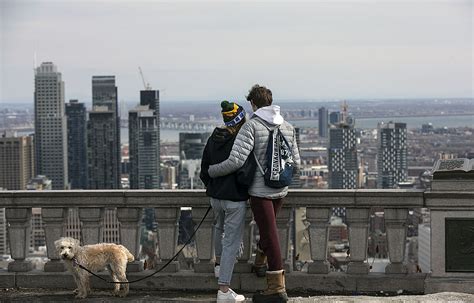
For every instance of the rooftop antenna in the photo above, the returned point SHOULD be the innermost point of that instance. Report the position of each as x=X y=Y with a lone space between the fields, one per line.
x=344 y=111
x=145 y=84
x=34 y=62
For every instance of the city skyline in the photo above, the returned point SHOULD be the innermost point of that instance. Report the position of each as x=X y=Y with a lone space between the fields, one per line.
x=212 y=50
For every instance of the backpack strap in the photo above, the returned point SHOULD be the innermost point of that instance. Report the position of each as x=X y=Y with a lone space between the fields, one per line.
x=277 y=129
x=258 y=164
x=260 y=120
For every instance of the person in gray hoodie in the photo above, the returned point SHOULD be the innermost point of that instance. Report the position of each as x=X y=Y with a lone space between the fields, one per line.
x=265 y=201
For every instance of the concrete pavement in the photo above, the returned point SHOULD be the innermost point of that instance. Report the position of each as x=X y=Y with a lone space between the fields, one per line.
x=101 y=296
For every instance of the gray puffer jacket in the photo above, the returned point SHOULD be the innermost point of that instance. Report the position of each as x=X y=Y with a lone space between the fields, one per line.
x=253 y=136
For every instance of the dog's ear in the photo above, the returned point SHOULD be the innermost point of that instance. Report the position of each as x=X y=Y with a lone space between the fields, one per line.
x=57 y=243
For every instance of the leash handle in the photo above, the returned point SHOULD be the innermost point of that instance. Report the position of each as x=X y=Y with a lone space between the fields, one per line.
x=162 y=267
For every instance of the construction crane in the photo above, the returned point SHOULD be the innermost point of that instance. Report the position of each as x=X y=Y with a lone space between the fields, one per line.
x=145 y=84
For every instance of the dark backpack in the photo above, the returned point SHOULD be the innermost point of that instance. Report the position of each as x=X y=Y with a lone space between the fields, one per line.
x=280 y=165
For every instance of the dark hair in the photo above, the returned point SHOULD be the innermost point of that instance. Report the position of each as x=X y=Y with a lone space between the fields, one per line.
x=260 y=96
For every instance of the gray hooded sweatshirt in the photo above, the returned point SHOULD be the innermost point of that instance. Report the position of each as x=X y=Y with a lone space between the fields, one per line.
x=253 y=137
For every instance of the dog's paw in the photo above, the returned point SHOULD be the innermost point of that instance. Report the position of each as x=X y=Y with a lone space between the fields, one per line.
x=122 y=294
x=81 y=296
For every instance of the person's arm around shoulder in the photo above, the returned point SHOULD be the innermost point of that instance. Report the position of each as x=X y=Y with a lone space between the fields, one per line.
x=243 y=146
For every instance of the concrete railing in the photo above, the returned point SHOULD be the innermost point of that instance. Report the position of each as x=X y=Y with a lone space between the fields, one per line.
x=318 y=203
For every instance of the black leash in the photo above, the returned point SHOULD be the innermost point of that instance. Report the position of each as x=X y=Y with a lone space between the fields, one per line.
x=157 y=271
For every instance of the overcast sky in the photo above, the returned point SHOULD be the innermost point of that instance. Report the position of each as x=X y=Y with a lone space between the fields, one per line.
x=206 y=50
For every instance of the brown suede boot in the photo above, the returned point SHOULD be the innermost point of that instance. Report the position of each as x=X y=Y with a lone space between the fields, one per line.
x=260 y=264
x=276 y=291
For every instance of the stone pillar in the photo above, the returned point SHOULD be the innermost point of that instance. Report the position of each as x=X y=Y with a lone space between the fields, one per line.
x=203 y=239
x=283 y=225
x=318 y=239
x=358 y=221
x=91 y=229
x=243 y=264
x=19 y=230
x=396 y=226
x=167 y=219
x=130 y=219
x=54 y=228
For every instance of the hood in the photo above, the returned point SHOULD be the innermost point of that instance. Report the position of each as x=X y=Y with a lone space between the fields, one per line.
x=221 y=134
x=271 y=114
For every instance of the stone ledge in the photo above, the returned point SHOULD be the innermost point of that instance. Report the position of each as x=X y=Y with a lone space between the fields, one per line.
x=297 y=282
x=379 y=282
x=7 y=280
x=435 y=285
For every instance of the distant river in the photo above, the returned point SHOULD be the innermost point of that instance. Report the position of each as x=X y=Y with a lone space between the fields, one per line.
x=412 y=122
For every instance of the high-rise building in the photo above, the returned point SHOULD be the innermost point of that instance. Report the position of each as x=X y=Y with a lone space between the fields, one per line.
x=342 y=157
x=101 y=154
x=191 y=147
x=392 y=164
x=50 y=126
x=342 y=153
x=77 y=144
x=3 y=232
x=323 y=122
x=16 y=161
x=103 y=135
x=334 y=118
x=144 y=142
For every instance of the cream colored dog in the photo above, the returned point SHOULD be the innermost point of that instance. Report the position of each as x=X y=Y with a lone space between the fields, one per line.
x=95 y=257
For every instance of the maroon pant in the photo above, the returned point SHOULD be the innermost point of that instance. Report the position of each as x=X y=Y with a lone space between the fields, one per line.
x=265 y=212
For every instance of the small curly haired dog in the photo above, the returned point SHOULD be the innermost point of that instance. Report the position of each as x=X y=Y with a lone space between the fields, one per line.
x=94 y=257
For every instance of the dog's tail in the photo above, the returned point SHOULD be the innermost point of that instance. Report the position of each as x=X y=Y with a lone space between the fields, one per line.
x=130 y=257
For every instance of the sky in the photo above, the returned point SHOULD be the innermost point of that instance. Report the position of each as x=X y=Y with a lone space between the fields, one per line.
x=214 y=50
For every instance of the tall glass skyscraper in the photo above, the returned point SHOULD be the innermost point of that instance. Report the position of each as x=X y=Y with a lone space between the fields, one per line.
x=144 y=142
x=77 y=144
x=103 y=135
x=50 y=126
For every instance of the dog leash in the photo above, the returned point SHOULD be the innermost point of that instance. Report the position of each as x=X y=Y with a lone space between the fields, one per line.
x=74 y=260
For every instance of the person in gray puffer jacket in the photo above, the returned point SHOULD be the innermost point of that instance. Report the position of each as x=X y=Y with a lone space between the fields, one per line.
x=264 y=201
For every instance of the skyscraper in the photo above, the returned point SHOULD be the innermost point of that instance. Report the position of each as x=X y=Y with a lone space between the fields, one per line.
x=77 y=144
x=50 y=126
x=391 y=154
x=103 y=135
x=342 y=153
x=334 y=117
x=16 y=162
x=342 y=157
x=323 y=122
x=144 y=142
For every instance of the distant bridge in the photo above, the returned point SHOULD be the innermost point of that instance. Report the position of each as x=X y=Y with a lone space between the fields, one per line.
x=187 y=125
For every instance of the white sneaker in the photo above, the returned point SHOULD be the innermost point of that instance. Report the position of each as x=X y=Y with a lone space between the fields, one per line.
x=229 y=297
x=216 y=271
